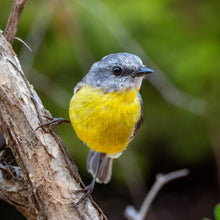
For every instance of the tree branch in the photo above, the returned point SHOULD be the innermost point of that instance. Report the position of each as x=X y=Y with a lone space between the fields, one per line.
x=13 y=20
x=49 y=177
x=132 y=214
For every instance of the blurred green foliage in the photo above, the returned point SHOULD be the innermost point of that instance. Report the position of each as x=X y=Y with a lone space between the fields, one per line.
x=182 y=38
x=216 y=213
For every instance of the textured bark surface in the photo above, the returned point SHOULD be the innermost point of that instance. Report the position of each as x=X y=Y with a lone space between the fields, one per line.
x=44 y=175
x=12 y=25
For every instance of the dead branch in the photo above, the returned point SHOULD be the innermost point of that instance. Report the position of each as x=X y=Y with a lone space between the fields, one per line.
x=13 y=20
x=49 y=176
x=132 y=214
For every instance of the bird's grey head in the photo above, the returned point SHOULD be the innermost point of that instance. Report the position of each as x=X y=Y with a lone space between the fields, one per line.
x=116 y=72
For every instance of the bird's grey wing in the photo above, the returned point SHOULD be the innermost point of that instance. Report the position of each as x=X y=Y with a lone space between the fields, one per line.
x=140 y=120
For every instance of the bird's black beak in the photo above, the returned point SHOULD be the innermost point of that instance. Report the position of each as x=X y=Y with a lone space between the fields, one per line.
x=143 y=71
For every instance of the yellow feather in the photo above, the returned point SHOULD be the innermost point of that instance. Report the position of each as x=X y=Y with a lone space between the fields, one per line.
x=105 y=121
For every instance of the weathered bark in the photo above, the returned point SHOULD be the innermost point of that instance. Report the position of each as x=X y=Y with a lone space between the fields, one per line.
x=13 y=20
x=47 y=175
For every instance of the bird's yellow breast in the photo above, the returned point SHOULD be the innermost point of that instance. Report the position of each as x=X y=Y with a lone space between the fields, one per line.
x=105 y=121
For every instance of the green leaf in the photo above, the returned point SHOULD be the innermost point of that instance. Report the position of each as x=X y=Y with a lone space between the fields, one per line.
x=217 y=212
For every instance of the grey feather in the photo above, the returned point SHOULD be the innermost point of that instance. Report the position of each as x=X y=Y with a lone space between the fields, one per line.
x=104 y=172
x=140 y=121
x=100 y=74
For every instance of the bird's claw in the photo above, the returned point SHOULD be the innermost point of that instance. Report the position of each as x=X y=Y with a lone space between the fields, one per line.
x=53 y=122
x=88 y=190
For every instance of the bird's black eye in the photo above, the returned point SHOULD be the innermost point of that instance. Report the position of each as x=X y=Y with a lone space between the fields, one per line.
x=117 y=70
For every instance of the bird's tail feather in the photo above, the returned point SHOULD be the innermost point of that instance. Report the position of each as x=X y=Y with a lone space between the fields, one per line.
x=104 y=162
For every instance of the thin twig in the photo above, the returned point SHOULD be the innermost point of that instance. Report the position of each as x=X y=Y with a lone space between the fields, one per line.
x=132 y=214
x=13 y=20
x=25 y=44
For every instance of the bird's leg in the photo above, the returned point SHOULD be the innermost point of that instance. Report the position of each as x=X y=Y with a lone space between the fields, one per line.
x=53 y=122
x=88 y=189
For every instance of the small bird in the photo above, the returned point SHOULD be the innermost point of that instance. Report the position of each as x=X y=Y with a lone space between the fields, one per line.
x=106 y=111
